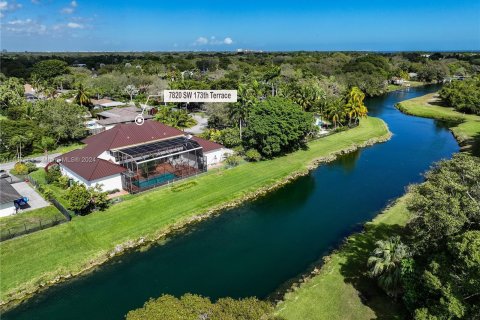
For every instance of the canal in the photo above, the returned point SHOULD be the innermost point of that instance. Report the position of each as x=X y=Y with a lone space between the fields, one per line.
x=253 y=249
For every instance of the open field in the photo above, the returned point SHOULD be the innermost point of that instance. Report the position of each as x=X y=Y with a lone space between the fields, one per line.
x=341 y=288
x=42 y=257
x=465 y=127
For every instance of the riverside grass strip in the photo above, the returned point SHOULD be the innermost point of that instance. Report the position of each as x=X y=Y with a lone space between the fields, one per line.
x=340 y=288
x=49 y=256
x=465 y=127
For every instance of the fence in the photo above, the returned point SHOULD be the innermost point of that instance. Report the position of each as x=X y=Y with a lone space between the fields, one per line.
x=29 y=227
x=40 y=188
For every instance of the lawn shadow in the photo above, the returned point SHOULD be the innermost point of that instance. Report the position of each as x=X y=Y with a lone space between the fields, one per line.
x=356 y=251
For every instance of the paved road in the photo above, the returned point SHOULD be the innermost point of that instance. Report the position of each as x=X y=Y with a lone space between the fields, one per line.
x=43 y=161
x=200 y=126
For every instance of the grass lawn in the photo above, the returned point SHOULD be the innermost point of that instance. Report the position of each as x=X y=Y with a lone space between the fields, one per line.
x=68 y=248
x=341 y=289
x=58 y=193
x=465 y=127
x=29 y=219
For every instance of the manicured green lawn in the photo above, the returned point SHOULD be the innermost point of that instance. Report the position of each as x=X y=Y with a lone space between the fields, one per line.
x=29 y=219
x=341 y=289
x=42 y=256
x=465 y=127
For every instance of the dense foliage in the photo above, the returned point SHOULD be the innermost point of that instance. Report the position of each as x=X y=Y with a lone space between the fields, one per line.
x=464 y=96
x=83 y=200
x=277 y=126
x=194 y=307
x=437 y=270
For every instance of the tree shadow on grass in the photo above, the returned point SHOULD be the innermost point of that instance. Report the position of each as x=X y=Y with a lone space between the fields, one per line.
x=356 y=251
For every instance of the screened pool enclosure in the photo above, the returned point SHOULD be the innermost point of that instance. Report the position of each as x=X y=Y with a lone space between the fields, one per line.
x=157 y=163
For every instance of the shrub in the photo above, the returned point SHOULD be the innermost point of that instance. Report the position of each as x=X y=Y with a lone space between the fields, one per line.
x=233 y=160
x=253 y=155
x=79 y=198
x=239 y=150
x=31 y=166
x=63 y=182
x=53 y=174
x=20 y=168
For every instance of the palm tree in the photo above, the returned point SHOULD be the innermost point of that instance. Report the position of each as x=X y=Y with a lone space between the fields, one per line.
x=355 y=108
x=81 y=96
x=336 y=111
x=385 y=264
x=270 y=76
x=247 y=97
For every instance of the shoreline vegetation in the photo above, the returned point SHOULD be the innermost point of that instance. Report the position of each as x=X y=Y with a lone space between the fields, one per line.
x=63 y=252
x=340 y=282
x=465 y=127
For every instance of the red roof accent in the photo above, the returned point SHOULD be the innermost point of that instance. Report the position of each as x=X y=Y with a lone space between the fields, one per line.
x=85 y=162
x=207 y=145
x=128 y=134
x=89 y=167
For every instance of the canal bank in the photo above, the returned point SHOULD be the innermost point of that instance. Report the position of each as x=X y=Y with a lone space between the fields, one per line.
x=58 y=254
x=255 y=248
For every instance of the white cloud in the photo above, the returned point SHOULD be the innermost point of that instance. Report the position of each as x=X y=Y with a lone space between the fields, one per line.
x=8 y=6
x=202 y=41
x=68 y=10
x=35 y=1
x=75 y=25
x=27 y=26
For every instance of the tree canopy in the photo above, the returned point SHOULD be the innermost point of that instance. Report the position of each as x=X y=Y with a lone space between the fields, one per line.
x=276 y=126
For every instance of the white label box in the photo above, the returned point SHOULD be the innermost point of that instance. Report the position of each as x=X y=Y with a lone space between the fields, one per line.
x=200 y=95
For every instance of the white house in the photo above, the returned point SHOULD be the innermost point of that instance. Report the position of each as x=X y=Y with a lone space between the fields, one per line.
x=138 y=157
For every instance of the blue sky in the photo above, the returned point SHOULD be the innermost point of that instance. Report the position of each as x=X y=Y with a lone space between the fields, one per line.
x=117 y=25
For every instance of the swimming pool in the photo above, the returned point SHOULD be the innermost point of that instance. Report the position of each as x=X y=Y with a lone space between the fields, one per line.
x=155 y=181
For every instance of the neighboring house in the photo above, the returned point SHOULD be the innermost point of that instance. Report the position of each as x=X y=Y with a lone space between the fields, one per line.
x=110 y=118
x=397 y=81
x=106 y=103
x=8 y=196
x=139 y=157
x=30 y=93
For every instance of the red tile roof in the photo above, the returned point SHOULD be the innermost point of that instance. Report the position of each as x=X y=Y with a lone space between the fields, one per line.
x=128 y=134
x=90 y=168
x=85 y=162
x=207 y=145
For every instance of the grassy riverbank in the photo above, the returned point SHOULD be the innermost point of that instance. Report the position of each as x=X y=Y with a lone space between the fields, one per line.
x=465 y=127
x=340 y=289
x=43 y=257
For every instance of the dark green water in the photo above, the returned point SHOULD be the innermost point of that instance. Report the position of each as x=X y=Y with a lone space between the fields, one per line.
x=252 y=250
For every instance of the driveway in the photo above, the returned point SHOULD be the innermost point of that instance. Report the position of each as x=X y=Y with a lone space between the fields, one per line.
x=35 y=200
x=42 y=161
x=200 y=126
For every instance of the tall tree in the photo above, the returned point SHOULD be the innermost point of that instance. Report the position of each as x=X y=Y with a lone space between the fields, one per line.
x=81 y=97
